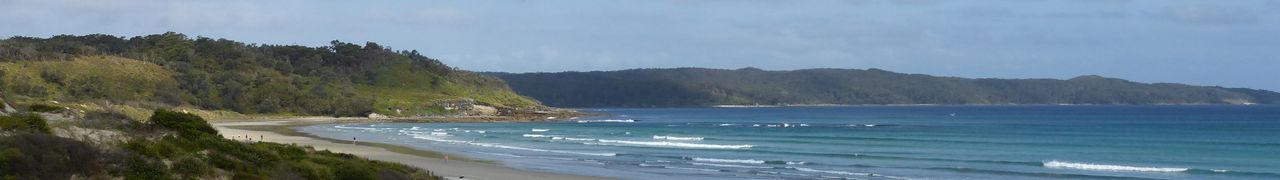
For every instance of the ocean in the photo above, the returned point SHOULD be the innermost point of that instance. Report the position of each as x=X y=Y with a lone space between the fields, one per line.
x=869 y=142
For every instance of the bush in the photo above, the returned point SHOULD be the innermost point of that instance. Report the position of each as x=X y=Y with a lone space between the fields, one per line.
x=43 y=156
x=185 y=123
x=24 y=122
x=43 y=108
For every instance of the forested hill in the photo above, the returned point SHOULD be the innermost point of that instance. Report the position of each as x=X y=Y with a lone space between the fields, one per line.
x=172 y=69
x=750 y=86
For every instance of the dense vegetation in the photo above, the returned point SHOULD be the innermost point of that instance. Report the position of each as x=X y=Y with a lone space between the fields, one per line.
x=705 y=87
x=172 y=69
x=171 y=145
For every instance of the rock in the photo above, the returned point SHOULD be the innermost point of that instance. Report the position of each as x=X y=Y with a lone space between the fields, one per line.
x=484 y=110
x=7 y=109
x=377 y=116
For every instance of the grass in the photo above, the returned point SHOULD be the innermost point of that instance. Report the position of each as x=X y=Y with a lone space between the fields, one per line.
x=88 y=77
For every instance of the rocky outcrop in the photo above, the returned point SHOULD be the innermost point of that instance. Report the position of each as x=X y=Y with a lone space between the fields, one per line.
x=7 y=108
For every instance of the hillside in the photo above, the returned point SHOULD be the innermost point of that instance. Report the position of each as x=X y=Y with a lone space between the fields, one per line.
x=749 y=86
x=172 y=70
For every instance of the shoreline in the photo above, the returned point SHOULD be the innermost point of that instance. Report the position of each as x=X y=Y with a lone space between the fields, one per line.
x=280 y=131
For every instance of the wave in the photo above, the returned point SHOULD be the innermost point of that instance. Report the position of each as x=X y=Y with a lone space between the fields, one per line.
x=787 y=162
x=439 y=134
x=534 y=135
x=678 y=138
x=361 y=128
x=666 y=144
x=1107 y=167
x=731 y=165
x=539 y=130
x=498 y=154
x=845 y=173
x=608 y=121
x=493 y=145
x=727 y=124
x=744 y=161
x=536 y=150
x=831 y=171
x=695 y=169
x=572 y=139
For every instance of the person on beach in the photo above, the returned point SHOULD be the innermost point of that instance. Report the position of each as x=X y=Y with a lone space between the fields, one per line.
x=353 y=140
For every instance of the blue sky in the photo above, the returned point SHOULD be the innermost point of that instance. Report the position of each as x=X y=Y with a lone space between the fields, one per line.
x=1234 y=43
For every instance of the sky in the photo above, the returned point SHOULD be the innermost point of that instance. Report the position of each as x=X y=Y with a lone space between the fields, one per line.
x=1232 y=43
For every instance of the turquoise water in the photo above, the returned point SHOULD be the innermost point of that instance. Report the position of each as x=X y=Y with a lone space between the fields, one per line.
x=882 y=142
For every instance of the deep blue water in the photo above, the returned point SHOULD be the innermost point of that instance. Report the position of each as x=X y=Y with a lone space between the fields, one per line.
x=871 y=142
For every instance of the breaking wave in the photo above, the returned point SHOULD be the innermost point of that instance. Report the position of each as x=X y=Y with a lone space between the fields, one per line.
x=665 y=144
x=744 y=161
x=1107 y=167
x=678 y=138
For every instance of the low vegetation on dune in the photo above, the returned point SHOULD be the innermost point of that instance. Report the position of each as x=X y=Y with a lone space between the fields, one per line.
x=170 y=145
x=171 y=69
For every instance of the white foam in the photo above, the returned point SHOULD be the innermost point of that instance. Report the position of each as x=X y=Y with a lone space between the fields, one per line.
x=797 y=163
x=499 y=154
x=678 y=138
x=437 y=139
x=359 y=128
x=481 y=131
x=744 y=161
x=579 y=139
x=649 y=165
x=731 y=165
x=439 y=134
x=695 y=169
x=540 y=130
x=414 y=128
x=667 y=144
x=542 y=150
x=1106 y=167
x=534 y=135
x=728 y=124
x=608 y=121
x=831 y=171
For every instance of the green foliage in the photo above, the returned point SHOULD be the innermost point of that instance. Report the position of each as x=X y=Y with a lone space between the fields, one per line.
x=29 y=122
x=197 y=151
x=43 y=108
x=182 y=122
x=43 y=156
x=247 y=78
x=705 y=87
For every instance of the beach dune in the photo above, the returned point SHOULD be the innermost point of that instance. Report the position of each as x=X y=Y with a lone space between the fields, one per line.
x=450 y=169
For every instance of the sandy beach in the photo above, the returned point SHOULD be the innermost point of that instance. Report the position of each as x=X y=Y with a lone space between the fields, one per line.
x=453 y=169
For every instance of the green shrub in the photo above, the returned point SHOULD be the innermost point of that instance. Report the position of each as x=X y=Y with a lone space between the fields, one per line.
x=24 y=122
x=43 y=108
x=184 y=123
x=191 y=167
x=43 y=156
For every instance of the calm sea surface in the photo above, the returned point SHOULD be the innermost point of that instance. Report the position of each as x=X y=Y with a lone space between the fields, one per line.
x=881 y=142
